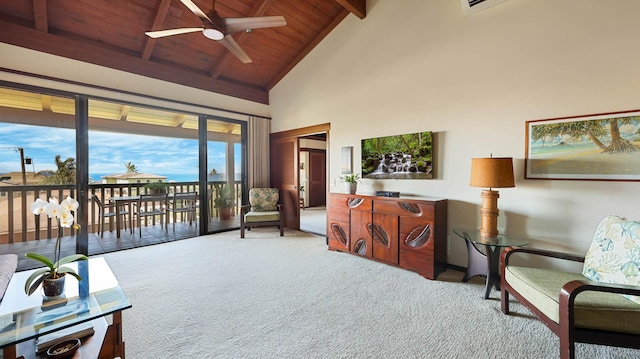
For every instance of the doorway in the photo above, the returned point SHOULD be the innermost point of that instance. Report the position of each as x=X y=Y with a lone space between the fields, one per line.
x=301 y=176
x=313 y=183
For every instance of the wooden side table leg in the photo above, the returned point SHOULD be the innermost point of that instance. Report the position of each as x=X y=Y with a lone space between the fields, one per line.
x=113 y=345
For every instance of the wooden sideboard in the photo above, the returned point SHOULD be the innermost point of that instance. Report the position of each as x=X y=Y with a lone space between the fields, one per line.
x=408 y=232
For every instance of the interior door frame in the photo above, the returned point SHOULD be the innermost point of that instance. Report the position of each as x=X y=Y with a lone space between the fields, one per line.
x=297 y=133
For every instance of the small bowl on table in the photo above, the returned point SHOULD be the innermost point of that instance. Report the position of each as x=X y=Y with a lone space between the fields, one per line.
x=65 y=349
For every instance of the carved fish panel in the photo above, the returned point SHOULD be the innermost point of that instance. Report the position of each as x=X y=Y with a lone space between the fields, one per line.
x=361 y=247
x=339 y=233
x=418 y=237
x=378 y=234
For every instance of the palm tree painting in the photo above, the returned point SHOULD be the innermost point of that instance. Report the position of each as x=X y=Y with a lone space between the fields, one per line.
x=594 y=147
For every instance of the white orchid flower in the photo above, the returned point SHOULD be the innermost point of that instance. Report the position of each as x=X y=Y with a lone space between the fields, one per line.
x=66 y=219
x=70 y=204
x=53 y=209
x=38 y=206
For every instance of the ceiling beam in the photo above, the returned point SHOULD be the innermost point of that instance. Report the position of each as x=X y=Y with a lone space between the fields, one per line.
x=46 y=103
x=40 y=15
x=124 y=112
x=308 y=49
x=95 y=54
x=357 y=7
x=161 y=14
x=258 y=10
x=180 y=120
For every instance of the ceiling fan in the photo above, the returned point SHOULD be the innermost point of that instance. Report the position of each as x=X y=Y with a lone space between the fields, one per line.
x=220 y=29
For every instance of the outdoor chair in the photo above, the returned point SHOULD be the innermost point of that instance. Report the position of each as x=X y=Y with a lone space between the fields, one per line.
x=601 y=305
x=183 y=203
x=263 y=210
x=110 y=210
x=152 y=205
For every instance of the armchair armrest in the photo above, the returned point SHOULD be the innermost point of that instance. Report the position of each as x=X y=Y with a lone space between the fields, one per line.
x=566 y=305
x=571 y=289
x=245 y=208
x=504 y=258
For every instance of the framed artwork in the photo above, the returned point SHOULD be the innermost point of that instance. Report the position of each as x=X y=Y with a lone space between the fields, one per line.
x=603 y=147
x=347 y=160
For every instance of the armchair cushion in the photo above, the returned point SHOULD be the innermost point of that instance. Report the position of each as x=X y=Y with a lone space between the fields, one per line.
x=265 y=216
x=264 y=199
x=614 y=254
x=595 y=310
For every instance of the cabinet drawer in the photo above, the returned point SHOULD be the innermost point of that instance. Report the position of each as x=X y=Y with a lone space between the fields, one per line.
x=338 y=214
x=351 y=201
x=404 y=208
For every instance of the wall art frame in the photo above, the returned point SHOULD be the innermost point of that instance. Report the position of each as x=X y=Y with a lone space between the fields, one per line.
x=598 y=147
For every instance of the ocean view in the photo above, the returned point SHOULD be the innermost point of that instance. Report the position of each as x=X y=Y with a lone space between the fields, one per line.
x=97 y=177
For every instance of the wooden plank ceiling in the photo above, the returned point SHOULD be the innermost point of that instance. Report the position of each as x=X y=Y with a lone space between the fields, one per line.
x=111 y=33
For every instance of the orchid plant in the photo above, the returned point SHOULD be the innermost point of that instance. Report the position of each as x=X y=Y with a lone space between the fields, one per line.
x=63 y=212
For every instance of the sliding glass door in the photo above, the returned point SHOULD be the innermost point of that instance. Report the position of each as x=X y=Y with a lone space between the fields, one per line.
x=225 y=172
x=50 y=140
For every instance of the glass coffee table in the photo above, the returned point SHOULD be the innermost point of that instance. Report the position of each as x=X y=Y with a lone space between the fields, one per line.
x=486 y=263
x=24 y=318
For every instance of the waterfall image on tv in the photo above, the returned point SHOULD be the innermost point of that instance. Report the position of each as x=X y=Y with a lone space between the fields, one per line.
x=407 y=156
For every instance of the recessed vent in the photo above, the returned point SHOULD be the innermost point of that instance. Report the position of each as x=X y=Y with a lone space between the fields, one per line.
x=473 y=6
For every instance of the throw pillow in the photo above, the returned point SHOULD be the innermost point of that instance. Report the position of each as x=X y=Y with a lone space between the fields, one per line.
x=614 y=254
x=264 y=199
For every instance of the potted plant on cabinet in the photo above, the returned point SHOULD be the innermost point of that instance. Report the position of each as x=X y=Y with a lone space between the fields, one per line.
x=351 y=182
x=224 y=200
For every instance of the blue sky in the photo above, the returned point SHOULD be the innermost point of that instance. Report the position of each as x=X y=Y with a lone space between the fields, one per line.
x=108 y=152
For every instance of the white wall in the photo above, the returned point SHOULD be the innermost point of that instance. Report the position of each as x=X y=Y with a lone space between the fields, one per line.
x=422 y=65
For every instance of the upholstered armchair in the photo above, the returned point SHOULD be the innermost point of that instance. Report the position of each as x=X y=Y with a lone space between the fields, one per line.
x=263 y=210
x=601 y=305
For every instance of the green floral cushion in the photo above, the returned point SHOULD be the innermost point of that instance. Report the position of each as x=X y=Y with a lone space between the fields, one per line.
x=614 y=255
x=264 y=199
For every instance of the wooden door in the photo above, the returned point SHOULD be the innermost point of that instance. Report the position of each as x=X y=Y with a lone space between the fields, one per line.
x=360 y=237
x=384 y=233
x=317 y=178
x=284 y=176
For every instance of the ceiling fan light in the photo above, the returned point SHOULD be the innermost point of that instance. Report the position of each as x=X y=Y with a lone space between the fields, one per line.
x=213 y=34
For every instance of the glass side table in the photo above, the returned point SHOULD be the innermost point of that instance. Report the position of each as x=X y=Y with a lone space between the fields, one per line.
x=24 y=318
x=487 y=263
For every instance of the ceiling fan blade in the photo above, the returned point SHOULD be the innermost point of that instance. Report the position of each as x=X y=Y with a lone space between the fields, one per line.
x=196 y=10
x=235 y=49
x=163 y=33
x=241 y=24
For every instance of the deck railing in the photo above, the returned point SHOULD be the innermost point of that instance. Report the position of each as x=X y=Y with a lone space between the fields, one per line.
x=18 y=224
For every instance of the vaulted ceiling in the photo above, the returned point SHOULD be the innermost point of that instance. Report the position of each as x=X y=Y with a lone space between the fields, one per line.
x=111 y=33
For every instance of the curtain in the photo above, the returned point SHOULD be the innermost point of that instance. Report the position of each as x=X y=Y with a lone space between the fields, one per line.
x=258 y=152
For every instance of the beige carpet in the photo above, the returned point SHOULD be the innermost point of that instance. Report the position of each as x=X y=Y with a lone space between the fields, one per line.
x=267 y=296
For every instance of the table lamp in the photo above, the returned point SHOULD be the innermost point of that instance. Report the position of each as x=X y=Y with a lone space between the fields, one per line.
x=493 y=172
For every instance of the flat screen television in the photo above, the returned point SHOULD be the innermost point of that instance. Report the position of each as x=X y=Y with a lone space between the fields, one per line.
x=408 y=156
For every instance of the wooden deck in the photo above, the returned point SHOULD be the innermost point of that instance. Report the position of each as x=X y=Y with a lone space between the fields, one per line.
x=152 y=234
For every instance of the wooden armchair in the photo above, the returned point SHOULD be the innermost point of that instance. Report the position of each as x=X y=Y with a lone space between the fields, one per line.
x=601 y=305
x=263 y=210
